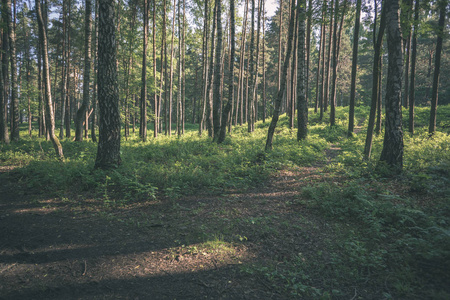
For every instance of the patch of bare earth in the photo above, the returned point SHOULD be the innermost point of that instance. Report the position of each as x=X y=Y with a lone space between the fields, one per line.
x=194 y=247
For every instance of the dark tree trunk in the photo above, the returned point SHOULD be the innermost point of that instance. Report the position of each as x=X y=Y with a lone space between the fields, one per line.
x=48 y=96
x=378 y=41
x=81 y=113
x=412 y=92
x=12 y=59
x=108 y=153
x=205 y=69
x=217 y=73
x=94 y=96
x=392 y=152
x=155 y=96
x=143 y=106
x=351 y=118
x=328 y=65
x=4 y=134
x=437 y=66
x=302 y=101
x=226 y=117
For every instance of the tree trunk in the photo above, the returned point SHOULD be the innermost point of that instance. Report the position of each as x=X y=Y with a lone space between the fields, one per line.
x=12 y=59
x=437 y=66
x=302 y=101
x=351 y=118
x=226 y=117
x=81 y=113
x=412 y=92
x=48 y=96
x=94 y=96
x=205 y=69
x=319 y=63
x=4 y=134
x=217 y=73
x=336 y=48
x=108 y=153
x=279 y=99
x=143 y=106
x=308 y=47
x=155 y=96
x=68 y=104
x=169 y=108
x=392 y=152
x=327 y=73
x=378 y=42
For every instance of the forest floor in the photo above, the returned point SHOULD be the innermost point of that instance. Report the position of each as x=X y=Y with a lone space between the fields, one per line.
x=75 y=248
x=305 y=232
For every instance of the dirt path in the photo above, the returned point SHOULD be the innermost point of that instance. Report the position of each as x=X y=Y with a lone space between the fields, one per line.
x=198 y=247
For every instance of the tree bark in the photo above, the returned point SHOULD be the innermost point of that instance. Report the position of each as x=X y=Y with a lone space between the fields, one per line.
x=13 y=63
x=412 y=92
x=217 y=73
x=48 y=96
x=108 y=153
x=437 y=66
x=143 y=104
x=302 y=101
x=392 y=152
x=81 y=113
x=279 y=99
x=378 y=41
x=351 y=118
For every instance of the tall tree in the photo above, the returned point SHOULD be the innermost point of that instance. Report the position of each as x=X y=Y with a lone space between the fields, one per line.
x=48 y=96
x=377 y=42
x=143 y=106
x=319 y=63
x=205 y=68
x=10 y=23
x=81 y=113
x=226 y=117
x=302 y=101
x=155 y=96
x=442 y=5
x=308 y=45
x=412 y=92
x=336 y=49
x=108 y=153
x=217 y=72
x=169 y=108
x=392 y=152
x=326 y=88
x=4 y=134
x=351 y=118
x=279 y=99
x=94 y=96
x=250 y=106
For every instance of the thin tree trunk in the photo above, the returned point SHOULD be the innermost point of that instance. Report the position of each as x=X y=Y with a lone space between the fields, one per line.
x=48 y=96
x=143 y=105
x=81 y=113
x=4 y=134
x=68 y=104
x=94 y=96
x=12 y=59
x=351 y=118
x=226 y=117
x=205 y=69
x=169 y=109
x=217 y=73
x=412 y=92
x=378 y=41
x=279 y=98
x=327 y=74
x=437 y=66
x=264 y=60
x=308 y=46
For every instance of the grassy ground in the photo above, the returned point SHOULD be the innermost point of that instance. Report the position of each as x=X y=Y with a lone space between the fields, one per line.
x=310 y=219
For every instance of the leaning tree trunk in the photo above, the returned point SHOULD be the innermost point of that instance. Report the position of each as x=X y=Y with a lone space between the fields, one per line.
x=81 y=113
x=376 y=68
x=437 y=66
x=48 y=96
x=279 y=99
x=392 y=152
x=108 y=153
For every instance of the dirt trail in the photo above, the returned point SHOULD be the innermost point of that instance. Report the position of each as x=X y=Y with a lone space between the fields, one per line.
x=191 y=248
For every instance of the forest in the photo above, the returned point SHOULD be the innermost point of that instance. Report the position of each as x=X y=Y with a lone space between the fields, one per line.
x=222 y=149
